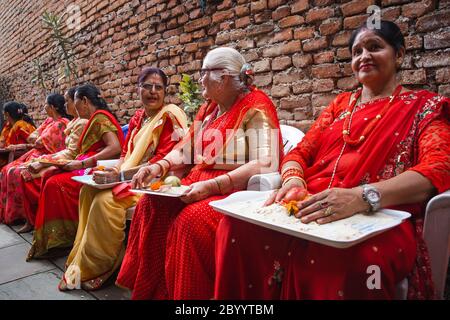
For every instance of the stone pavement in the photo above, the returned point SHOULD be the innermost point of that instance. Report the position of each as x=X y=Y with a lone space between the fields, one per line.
x=38 y=279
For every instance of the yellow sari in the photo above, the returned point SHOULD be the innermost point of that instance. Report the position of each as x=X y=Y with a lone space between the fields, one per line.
x=98 y=248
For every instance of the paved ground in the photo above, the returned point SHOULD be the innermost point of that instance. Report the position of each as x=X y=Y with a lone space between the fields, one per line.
x=38 y=279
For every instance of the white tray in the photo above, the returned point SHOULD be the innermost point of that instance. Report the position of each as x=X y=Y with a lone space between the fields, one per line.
x=339 y=234
x=87 y=179
x=174 y=192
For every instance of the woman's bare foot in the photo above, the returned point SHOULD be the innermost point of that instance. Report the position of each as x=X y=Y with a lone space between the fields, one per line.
x=26 y=228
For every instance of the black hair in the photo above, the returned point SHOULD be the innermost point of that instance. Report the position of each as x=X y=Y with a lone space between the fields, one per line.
x=150 y=70
x=93 y=94
x=71 y=92
x=388 y=30
x=58 y=102
x=18 y=111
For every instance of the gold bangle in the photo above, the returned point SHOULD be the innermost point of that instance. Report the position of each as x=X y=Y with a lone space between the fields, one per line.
x=294 y=177
x=218 y=185
x=300 y=169
x=161 y=167
x=168 y=162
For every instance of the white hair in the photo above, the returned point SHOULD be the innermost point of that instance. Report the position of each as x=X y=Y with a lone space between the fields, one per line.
x=230 y=60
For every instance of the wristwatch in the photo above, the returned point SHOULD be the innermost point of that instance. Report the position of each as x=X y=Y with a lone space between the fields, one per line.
x=372 y=196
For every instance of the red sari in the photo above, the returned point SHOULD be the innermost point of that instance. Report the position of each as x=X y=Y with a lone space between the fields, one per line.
x=16 y=134
x=57 y=212
x=257 y=263
x=158 y=263
x=51 y=135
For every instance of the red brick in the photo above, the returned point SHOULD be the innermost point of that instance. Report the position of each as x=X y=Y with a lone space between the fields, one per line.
x=291 y=21
x=304 y=33
x=280 y=91
x=319 y=14
x=326 y=71
x=261 y=66
x=356 y=6
x=324 y=57
x=293 y=103
x=443 y=75
x=330 y=26
x=283 y=35
x=413 y=76
x=437 y=40
x=222 y=15
x=418 y=9
x=348 y=83
x=281 y=12
x=246 y=44
x=301 y=61
x=242 y=10
x=260 y=29
x=284 y=115
x=242 y=22
x=263 y=16
x=300 y=6
x=281 y=63
x=433 y=21
x=342 y=38
x=391 y=14
x=302 y=86
x=323 y=85
x=433 y=59
x=197 y=24
x=355 y=21
x=303 y=113
x=413 y=42
x=288 y=77
x=315 y=44
x=262 y=80
x=343 y=54
x=291 y=47
x=259 y=5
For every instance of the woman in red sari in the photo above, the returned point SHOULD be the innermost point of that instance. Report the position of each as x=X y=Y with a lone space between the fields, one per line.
x=235 y=110
x=57 y=214
x=381 y=146
x=17 y=129
x=48 y=138
x=28 y=187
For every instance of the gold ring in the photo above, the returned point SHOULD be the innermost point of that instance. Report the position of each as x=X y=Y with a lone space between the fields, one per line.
x=328 y=212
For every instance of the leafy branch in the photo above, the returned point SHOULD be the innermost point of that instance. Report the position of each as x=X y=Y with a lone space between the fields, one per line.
x=40 y=75
x=189 y=93
x=63 y=45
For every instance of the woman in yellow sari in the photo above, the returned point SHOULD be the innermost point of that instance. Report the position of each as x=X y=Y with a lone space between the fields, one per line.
x=98 y=249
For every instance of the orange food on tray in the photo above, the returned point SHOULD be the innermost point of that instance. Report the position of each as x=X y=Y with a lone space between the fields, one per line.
x=156 y=185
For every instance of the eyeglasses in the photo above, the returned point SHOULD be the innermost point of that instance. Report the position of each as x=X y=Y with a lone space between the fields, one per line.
x=151 y=86
x=204 y=71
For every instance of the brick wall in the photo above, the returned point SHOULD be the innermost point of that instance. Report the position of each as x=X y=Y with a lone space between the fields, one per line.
x=297 y=48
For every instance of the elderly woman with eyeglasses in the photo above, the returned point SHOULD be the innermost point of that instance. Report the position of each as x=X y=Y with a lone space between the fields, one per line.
x=98 y=248
x=170 y=251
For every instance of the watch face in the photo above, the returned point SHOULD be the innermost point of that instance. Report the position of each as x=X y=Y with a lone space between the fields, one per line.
x=373 y=196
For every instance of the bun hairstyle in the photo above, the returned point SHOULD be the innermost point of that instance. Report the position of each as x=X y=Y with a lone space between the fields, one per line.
x=92 y=93
x=18 y=111
x=232 y=63
x=71 y=92
x=58 y=102
x=388 y=31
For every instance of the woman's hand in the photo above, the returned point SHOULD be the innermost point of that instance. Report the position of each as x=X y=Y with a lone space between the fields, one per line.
x=331 y=205
x=279 y=194
x=198 y=191
x=35 y=167
x=73 y=165
x=108 y=175
x=38 y=143
x=145 y=174
x=15 y=147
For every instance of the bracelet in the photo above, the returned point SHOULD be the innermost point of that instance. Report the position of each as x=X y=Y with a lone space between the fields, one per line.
x=291 y=172
x=168 y=162
x=82 y=164
x=218 y=185
x=160 y=167
x=294 y=177
x=297 y=169
x=231 y=180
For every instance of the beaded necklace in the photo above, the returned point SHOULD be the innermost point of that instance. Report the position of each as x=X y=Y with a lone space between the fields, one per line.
x=367 y=130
